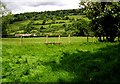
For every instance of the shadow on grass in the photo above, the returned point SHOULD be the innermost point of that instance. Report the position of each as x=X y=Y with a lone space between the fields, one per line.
x=100 y=66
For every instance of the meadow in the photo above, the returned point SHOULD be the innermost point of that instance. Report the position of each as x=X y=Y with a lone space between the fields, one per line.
x=78 y=61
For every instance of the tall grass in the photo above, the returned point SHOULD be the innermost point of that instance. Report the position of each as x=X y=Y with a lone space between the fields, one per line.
x=33 y=61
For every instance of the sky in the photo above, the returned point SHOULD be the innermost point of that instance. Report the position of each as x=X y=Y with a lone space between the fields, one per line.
x=21 y=6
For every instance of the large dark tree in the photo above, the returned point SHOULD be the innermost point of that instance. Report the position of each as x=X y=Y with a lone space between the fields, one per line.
x=105 y=18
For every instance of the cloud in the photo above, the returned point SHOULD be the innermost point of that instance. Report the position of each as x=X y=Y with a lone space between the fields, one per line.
x=35 y=4
x=39 y=5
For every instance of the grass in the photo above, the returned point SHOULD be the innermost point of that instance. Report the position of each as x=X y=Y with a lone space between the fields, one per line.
x=65 y=21
x=41 y=40
x=77 y=17
x=38 y=21
x=33 y=61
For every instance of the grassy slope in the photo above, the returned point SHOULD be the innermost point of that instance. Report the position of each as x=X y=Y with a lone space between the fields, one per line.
x=16 y=26
x=76 y=16
x=78 y=61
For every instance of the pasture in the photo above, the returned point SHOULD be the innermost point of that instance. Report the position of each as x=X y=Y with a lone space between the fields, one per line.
x=79 y=61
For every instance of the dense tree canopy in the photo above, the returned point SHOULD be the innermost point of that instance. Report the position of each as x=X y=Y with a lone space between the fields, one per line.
x=105 y=18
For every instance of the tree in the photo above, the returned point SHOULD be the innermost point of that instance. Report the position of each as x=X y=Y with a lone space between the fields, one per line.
x=41 y=28
x=83 y=26
x=66 y=18
x=3 y=10
x=53 y=21
x=29 y=27
x=105 y=18
x=7 y=18
x=44 y=22
x=64 y=25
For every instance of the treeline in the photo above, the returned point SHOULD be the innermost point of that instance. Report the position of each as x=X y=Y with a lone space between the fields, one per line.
x=59 y=15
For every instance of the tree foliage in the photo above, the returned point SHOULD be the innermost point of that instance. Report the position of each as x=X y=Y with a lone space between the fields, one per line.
x=105 y=18
x=7 y=18
x=6 y=21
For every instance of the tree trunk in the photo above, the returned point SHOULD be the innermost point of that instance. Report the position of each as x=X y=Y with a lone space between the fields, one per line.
x=69 y=38
x=110 y=38
x=118 y=36
x=107 y=38
x=100 y=38
x=103 y=38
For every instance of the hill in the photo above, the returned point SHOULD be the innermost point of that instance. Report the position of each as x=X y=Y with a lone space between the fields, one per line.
x=62 y=22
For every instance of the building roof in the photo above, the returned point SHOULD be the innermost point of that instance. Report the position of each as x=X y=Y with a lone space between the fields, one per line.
x=23 y=34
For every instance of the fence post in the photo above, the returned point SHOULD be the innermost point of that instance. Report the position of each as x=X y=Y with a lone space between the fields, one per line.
x=46 y=40
x=69 y=38
x=20 y=39
x=59 y=38
x=87 y=38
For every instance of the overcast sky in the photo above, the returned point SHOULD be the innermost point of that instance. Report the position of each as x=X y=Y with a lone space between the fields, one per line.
x=20 y=6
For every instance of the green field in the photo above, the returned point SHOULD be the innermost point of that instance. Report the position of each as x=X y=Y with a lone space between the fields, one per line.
x=79 y=61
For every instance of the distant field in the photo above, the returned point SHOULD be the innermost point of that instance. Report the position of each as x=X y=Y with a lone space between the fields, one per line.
x=33 y=61
x=78 y=17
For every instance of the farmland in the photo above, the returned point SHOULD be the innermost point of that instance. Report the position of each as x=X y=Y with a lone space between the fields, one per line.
x=53 y=26
x=46 y=22
x=79 y=61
